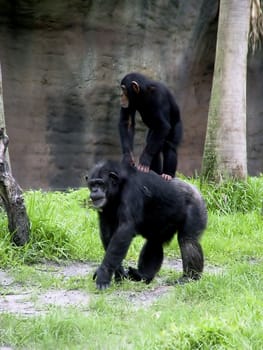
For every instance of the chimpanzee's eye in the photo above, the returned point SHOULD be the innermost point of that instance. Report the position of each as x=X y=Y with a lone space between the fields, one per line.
x=96 y=183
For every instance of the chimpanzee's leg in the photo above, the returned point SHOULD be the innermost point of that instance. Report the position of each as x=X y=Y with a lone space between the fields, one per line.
x=150 y=261
x=191 y=250
x=169 y=159
x=188 y=239
x=170 y=150
x=156 y=164
x=193 y=260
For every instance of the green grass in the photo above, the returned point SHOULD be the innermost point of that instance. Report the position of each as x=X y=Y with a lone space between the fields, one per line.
x=224 y=310
x=61 y=228
x=233 y=196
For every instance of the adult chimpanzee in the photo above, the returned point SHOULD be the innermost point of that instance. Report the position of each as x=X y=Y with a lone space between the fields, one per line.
x=160 y=114
x=131 y=202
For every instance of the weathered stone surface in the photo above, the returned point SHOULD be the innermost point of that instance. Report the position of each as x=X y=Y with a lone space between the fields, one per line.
x=62 y=62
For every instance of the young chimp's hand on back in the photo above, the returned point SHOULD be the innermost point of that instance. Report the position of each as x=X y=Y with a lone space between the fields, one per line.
x=167 y=177
x=143 y=168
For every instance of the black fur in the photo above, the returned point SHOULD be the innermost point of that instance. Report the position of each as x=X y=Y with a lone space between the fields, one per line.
x=131 y=202
x=160 y=113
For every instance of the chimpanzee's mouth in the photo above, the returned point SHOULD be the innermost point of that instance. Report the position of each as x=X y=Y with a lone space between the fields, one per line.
x=99 y=202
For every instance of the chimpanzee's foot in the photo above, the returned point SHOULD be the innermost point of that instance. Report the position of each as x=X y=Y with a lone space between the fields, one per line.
x=134 y=274
x=120 y=274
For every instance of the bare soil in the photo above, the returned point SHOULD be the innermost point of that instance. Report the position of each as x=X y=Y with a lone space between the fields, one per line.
x=27 y=300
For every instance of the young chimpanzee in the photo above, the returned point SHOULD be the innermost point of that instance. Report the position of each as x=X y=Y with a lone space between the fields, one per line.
x=160 y=114
x=131 y=202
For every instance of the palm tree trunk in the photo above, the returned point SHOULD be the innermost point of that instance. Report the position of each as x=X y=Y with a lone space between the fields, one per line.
x=225 y=152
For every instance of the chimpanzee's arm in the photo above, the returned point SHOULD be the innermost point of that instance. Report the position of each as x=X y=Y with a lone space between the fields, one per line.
x=154 y=143
x=115 y=253
x=126 y=130
x=105 y=232
x=119 y=245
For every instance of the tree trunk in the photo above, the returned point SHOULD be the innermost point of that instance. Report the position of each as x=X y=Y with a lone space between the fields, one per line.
x=10 y=192
x=2 y=116
x=11 y=195
x=225 y=152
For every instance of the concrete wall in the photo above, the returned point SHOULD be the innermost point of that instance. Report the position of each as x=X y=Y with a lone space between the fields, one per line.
x=62 y=62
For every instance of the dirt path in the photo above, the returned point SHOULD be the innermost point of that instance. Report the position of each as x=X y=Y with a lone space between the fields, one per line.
x=26 y=300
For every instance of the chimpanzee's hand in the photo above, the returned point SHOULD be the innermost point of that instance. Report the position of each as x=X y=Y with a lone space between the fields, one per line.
x=143 y=168
x=167 y=177
x=103 y=277
x=144 y=162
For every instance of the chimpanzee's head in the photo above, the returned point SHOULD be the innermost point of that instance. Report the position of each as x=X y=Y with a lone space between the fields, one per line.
x=124 y=98
x=104 y=183
x=131 y=86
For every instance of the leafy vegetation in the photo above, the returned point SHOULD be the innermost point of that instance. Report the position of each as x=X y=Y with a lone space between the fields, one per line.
x=221 y=311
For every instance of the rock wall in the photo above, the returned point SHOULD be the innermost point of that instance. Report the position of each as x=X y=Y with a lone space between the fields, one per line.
x=62 y=62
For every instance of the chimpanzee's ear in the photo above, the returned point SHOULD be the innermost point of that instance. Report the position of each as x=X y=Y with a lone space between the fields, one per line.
x=115 y=177
x=135 y=86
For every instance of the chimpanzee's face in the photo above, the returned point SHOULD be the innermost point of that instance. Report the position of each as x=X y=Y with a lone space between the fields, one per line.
x=124 y=100
x=103 y=185
x=97 y=192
